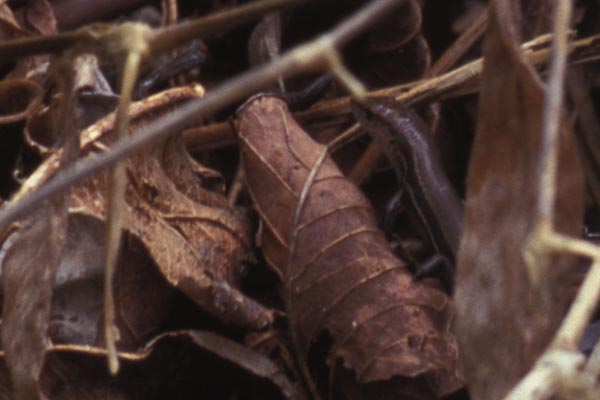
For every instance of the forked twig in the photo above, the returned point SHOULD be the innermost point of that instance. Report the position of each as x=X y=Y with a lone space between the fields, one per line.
x=301 y=358
x=559 y=368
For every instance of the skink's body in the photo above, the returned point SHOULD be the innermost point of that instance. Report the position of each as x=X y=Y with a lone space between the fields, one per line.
x=405 y=141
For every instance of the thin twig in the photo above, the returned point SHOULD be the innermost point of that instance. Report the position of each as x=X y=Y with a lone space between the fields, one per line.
x=553 y=113
x=344 y=76
x=160 y=40
x=23 y=47
x=537 y=247
x=164 y=39
x=308 y=183
x=305 y=57
x=458 y=48
x=458 y=82
x=581 y=311
x=137 y=47
x=237 y=185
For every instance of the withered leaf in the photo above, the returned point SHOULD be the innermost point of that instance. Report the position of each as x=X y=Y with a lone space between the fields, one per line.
x=502 y=320
x=77 y=302
x=197 y=241
x=198 y=244
x=32 y=255
x=342 y=279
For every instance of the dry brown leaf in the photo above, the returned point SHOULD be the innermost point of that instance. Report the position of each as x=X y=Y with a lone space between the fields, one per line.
x=32 y=255
x=501 y=324
x=197 y=241
x=77 y=306
x=342 y=277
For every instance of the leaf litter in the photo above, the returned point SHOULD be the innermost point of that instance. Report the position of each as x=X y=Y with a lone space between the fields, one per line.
x=338 y=314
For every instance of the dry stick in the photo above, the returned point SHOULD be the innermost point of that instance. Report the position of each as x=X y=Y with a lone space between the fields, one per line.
x=344 y=138
x=460 y=45
x=539 y=242
x=237 y=185
x=372 y=155
x=160 y=40
x=14 y=49
x=301 y=358
x=170 y=12
x=367 y=162
x=164 y=39
x=465 y=79
x=561 y=362
x=552 y=117
x=344 y=76
x=458 y=82
x=302 y=58
x=117 y=181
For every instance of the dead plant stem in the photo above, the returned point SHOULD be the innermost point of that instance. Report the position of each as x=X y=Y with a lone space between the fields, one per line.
x=309 y=56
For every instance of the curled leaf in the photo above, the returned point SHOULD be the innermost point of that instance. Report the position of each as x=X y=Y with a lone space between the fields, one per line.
x=342 y=277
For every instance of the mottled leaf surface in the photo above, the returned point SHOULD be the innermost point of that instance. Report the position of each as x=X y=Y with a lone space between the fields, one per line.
x=342 y=278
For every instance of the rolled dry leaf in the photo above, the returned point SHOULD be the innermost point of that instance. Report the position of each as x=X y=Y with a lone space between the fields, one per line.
x=342 y=277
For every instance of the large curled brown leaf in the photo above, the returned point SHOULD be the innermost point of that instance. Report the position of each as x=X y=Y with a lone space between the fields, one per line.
x=342 y=277
x=501 y=319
